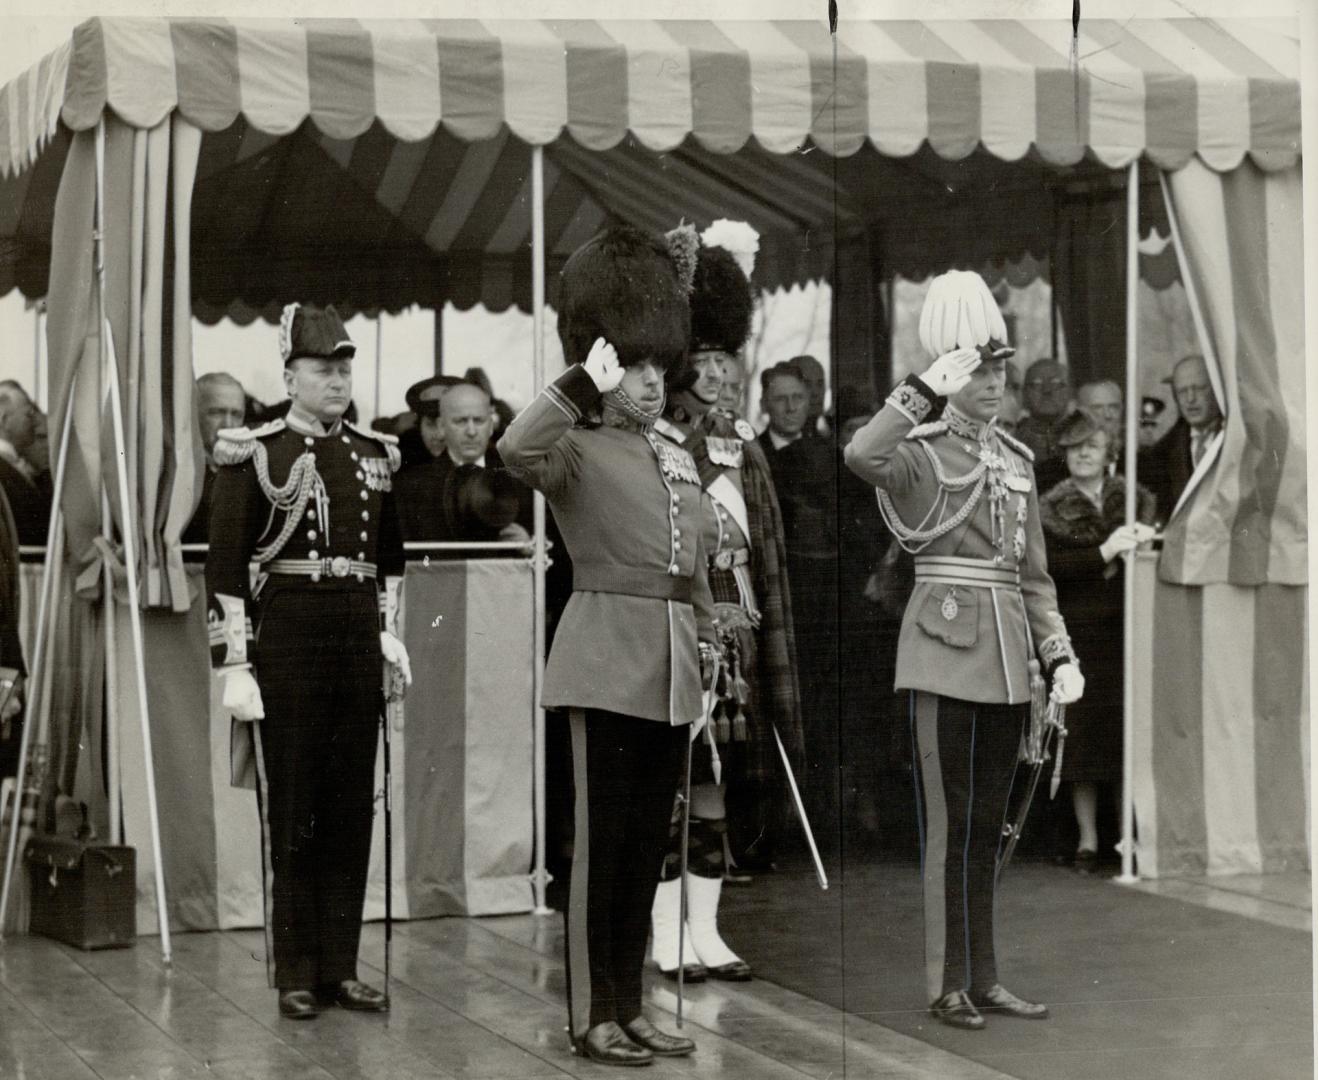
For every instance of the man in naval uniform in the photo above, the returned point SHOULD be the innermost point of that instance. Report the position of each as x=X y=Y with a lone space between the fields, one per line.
x=308 y=498
x=742 y=531
x=637 y=635
x=960 y=495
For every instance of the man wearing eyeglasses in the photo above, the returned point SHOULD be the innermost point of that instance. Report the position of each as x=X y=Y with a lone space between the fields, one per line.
x=1047 y=394
x=1166 y=468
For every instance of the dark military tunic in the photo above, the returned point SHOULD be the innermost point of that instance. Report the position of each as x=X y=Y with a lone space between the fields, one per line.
x=315 y=511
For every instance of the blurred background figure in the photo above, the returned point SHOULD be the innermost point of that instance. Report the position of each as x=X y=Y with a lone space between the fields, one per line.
x=1169 y=464
x=1084 y=528
x=221 y=403
x=732 y=395
x=1047 y=394
x=503 y=412
x=1104 y=402
x=817 y=421
x=422 y=438
x=27 y=487
x=1151 y=410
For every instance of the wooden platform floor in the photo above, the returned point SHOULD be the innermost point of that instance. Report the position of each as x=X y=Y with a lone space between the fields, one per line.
x=473 y=999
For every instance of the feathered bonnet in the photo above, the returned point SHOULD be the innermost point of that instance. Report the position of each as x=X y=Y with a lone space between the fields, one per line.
x=625 y=287
x=722 y=300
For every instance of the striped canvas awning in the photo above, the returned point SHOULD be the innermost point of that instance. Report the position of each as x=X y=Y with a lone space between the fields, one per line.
x=1166 y=88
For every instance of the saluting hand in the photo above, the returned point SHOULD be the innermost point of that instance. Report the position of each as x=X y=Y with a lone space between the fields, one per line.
x=951 y=371
x=603 y=367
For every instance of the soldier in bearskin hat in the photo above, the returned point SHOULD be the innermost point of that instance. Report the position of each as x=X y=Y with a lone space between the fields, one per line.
x=960 y=494
x=308 y=498
x=742 y=532
x=637 y=636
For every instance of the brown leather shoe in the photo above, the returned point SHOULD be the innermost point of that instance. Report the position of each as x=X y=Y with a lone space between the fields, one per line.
x=956 y=1010
x=997 y=999
x=356 y=997
x=608 y=1044
x=644 y=1033
x=298 y=1005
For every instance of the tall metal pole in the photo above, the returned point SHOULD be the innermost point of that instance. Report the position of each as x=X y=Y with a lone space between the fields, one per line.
x=540 y=876
x=379 y=348
x=130 y=545
x=1132 y=446
x=114 y=789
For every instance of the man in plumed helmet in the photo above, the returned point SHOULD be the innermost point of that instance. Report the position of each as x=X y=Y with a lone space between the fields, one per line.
x=960 y=495
x=308 y=498
x=636 y=639
x=742 y=531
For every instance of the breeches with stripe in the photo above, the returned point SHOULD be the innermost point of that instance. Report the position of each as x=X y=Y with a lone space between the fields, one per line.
x=318 y=665
x=625 y=771
x=965 y=755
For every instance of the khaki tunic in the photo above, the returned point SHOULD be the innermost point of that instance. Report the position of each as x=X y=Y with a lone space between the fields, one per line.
x=629 y=507
x=972 y=642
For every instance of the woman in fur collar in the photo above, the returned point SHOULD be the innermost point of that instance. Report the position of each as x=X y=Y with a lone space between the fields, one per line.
x=1084 y=527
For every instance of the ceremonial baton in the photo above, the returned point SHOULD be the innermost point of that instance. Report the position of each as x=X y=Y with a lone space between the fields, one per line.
x=800 y=810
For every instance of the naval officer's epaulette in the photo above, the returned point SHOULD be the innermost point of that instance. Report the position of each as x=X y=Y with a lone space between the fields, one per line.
x=233 y=446
x=389 y=442
x=928 y=431
x=1017 y=445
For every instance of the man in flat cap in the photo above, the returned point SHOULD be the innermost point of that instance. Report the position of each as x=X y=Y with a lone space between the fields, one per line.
x=309 y=499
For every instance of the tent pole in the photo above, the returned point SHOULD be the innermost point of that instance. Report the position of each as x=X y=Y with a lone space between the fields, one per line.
x=540 y=876
x=114 y=792
x=1132 y=446
x=379 y=346
x=54 y=552
x=130 y=546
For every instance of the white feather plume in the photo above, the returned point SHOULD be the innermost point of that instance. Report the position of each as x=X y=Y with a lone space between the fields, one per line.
x=959 y=312
x=738 y=238
x=286 y=330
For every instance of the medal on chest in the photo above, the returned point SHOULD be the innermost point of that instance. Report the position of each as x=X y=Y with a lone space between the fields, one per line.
x=1005 y=486
x=675 y=463
x=725 y=453
x=376 y=473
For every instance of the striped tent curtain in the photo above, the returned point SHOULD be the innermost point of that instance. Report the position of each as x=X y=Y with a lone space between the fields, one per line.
x=1221 y=682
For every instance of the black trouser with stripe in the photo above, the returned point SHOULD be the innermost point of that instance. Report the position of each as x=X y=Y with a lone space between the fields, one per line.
x=624 y=772
x=317 y=661
x=965 y=754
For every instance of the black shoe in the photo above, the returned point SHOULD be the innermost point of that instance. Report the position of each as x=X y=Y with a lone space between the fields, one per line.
x=355 y=996
x=956 y=1010
x=737 y=971
x=298 y=1005
x=644 y=1033
x=608 y=1044
x=997 y=999
x=692 y=973
x=1086 y=862
x=738 y=876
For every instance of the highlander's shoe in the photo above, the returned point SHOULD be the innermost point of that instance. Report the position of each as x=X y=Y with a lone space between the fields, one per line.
x=356 y=996
x=735 y=971
x=694 y=973
x=644 y=1033
x=609 y=1045
x=298 y=1005
x=999 y=1000
x=955 y=1010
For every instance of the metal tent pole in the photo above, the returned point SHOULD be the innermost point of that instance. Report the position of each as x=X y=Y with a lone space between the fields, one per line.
x=114 y=787
x=130 y=545
x=540 y=876
x=1132 y=446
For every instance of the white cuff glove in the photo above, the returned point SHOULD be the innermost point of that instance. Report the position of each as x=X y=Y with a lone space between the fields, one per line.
x=1068 y=685
x=241 y=695
x=1125 y=538
x=395 y=652
x=950 y=372
x=603 y=367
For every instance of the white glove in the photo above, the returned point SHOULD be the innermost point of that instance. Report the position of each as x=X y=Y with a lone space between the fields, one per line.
x=950 y=372
x=241 y=694
x=603 y=367
x=395 y=652
x=1125 y=538
x=1068 y=685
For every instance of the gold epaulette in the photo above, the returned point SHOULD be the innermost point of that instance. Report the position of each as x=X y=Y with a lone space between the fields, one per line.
x=233 y=446
x=1017 y=445
x=928 y=431
x=389 y=442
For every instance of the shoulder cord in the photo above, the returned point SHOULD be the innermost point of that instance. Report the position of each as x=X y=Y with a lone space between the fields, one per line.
x=914 y=540
x=302 y=485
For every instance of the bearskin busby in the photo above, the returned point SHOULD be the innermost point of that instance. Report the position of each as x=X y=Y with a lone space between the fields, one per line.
x=623 y=286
